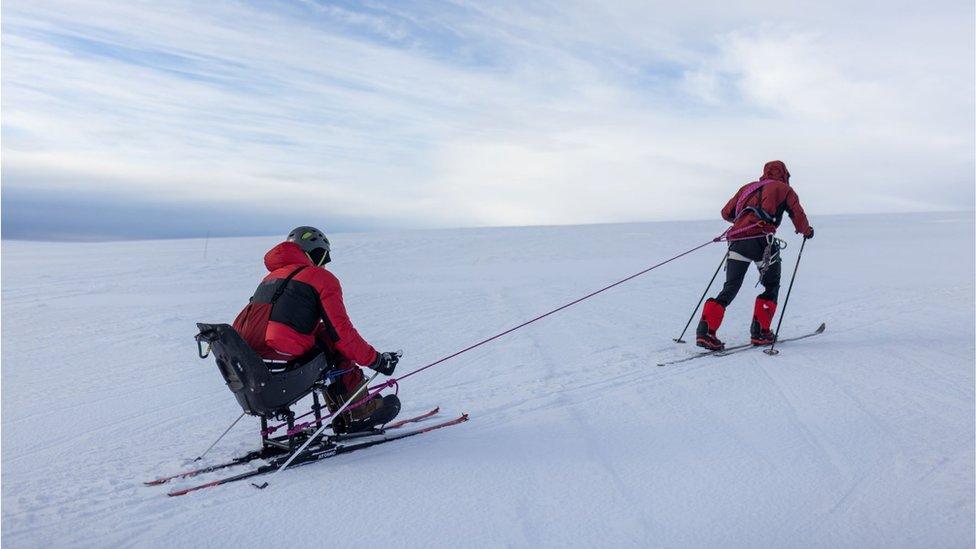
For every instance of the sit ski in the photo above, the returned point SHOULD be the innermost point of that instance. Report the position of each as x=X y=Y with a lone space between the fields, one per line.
x=357 y=419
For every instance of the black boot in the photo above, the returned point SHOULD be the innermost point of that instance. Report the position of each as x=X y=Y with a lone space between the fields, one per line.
x=761 y=337
x=375 y=413
x=707 y=339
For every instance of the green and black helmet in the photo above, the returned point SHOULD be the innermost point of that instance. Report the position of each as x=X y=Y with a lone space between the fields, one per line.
x=313 y=242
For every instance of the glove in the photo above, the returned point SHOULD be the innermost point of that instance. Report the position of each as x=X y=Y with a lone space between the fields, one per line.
x=809 y=234
x=385 y=363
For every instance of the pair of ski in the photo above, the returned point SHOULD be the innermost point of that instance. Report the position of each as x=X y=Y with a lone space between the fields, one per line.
x=743 y=347
x=322 y=449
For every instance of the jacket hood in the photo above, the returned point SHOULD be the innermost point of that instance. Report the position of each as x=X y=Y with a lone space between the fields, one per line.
x=776 y=169
x=284 y=254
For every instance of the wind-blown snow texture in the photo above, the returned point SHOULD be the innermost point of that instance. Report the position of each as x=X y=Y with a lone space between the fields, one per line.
x=861 y=437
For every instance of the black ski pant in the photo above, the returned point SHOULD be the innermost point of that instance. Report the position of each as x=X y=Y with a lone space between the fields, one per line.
x=735 y=271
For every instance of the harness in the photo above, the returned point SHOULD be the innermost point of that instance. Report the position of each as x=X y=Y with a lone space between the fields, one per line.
x=771 y=253
x=746 y=194
x=760 y=213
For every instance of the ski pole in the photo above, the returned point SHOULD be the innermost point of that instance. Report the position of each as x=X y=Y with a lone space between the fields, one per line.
x=318 y=432
x=218 y=438
x=772 y=348
x=693 y=313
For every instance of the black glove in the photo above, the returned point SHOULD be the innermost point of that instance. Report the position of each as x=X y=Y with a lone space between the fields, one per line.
x=809 y=234
x=385 y=363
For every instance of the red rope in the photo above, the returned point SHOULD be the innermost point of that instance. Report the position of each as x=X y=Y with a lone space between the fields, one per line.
x=724 y=237
x=393 y=382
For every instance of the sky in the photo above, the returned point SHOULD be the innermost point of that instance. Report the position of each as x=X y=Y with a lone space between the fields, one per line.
x=166 y=119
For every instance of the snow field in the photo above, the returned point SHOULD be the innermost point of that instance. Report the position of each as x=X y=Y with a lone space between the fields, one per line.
x=861 y=437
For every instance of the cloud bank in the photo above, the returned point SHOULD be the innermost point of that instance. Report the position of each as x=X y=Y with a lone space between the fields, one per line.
x=417 y=114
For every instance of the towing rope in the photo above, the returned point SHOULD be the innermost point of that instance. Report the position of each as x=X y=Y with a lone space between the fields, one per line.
x=729 y=235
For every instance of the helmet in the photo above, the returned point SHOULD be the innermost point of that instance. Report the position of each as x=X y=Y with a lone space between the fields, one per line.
x=313 y=242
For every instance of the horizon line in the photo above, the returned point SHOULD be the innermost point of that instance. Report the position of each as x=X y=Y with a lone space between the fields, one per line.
x=458 y=228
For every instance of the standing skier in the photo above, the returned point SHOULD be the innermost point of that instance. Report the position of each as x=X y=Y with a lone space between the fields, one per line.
x=756 y=210
x=297 y=313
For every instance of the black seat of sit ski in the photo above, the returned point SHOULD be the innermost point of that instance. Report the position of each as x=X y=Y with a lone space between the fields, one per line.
x=259 y=391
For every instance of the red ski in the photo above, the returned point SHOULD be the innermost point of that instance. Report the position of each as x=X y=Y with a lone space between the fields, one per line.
x=317 y=452
x=258 y=454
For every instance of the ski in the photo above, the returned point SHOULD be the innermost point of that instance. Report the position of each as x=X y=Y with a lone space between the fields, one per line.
x=342 y=437
x=703 y=354
x=260 y=454
x=743 y=347
x=246 y=458
x=318 y=452
x=415 y=419
x=820 y=329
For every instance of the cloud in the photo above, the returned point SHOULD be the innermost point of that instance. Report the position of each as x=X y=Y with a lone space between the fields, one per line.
x=424 y=114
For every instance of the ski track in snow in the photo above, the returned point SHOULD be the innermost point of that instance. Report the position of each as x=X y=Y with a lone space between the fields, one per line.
x=862 y=436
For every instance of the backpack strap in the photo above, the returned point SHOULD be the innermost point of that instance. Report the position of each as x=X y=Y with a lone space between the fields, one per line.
x=316 y=349
x=284 y=284
x=747 y=193
x=757 y=209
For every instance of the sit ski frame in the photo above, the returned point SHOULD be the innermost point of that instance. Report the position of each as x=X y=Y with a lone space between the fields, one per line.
x=318 y=450
x=276 y=451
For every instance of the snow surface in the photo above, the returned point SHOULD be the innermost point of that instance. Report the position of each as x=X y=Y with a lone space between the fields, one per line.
x=861 y=437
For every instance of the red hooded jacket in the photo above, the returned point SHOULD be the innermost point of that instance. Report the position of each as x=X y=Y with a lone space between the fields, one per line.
x=773 y=197
x=308 y=311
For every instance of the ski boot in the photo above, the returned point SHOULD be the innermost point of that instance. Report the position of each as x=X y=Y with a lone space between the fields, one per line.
x=376 y=412
x=762 y=319
x=382 y=410
x=711 y=319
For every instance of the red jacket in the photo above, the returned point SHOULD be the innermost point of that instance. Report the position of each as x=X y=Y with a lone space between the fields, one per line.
x=309 y=311
x=773 y=197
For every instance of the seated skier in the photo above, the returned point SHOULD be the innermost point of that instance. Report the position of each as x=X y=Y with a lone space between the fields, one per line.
x=755 y=212
x=297 y=313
